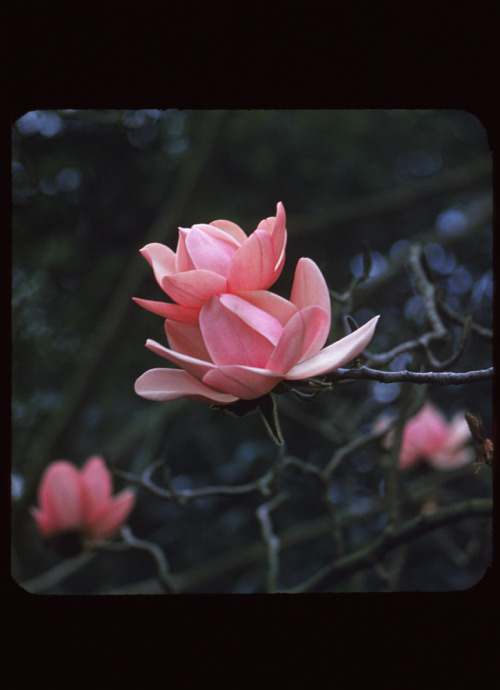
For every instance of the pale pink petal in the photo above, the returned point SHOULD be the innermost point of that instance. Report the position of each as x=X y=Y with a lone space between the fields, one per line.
x=230 y=339
x=279 y=307
x=335 y=355
x=167 y=310
x=310 y=288
x=161 y=259
x=259 y=319
x=108 y=517
x=252 y=267
x=450 y=460
x=297 y=337
x=183 y=261
x=97 y=480
x=232 y=229
x=163 y=385
x=193 y=288
x=197 y=367
x=246 y=383
x=414 y=443
x=212 y=250
x=217 y=233
x=276 y=227
x=186 y=338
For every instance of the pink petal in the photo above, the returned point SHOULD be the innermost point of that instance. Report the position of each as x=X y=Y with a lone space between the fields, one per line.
x=211 y=250
x=258 y=319
x=276 y=226
x=299 y=334
x=183 y=261
x=61 y=496
x=196 y=367
x=186 y=338
x=193 y=288
x=160 y=258
x=230 y=339
x=97 y=480
x=163 y=385
x=273 y=304
x=110 y=516
x=168 y=310
x=216 y=233
x=335 y=355
x=232 y=229
x=447 y=460
x=243 y=382
x=252 y=267
x=310 y=288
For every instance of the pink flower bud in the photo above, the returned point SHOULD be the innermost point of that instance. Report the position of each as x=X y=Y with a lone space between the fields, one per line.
x=80 y=501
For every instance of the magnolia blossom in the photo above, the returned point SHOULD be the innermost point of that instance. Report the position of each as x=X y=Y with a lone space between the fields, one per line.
x=429 y=436
x=80 y=501
x=245 y=344
x=213 y=259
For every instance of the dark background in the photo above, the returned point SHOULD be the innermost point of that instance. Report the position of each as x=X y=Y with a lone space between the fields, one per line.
x=91 y=187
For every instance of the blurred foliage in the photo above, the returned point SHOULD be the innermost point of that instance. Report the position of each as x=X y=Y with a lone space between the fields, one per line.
x=91 y=187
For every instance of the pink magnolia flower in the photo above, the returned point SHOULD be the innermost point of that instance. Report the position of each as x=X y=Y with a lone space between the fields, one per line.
x=429 y=436
x=73 y=500
x=246 y=343
x=213 y=259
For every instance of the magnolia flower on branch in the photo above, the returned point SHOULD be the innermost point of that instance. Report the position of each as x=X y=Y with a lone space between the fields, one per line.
x=245 y=344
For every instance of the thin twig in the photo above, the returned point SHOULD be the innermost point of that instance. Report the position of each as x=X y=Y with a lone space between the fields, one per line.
x=482 y=331
x=130 y=541
x=261 y=485
x=426 y=289
x=155 y=551
x=271 y=540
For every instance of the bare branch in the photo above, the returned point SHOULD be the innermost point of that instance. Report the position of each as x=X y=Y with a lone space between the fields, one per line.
x=445 y=378
x=263 y=485
x=482 y=331
x=427 y=290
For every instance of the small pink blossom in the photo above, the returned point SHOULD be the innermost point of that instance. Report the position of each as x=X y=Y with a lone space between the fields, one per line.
x=213 y=259
x=74 y=500
x=245 y=344
x=430 y=437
